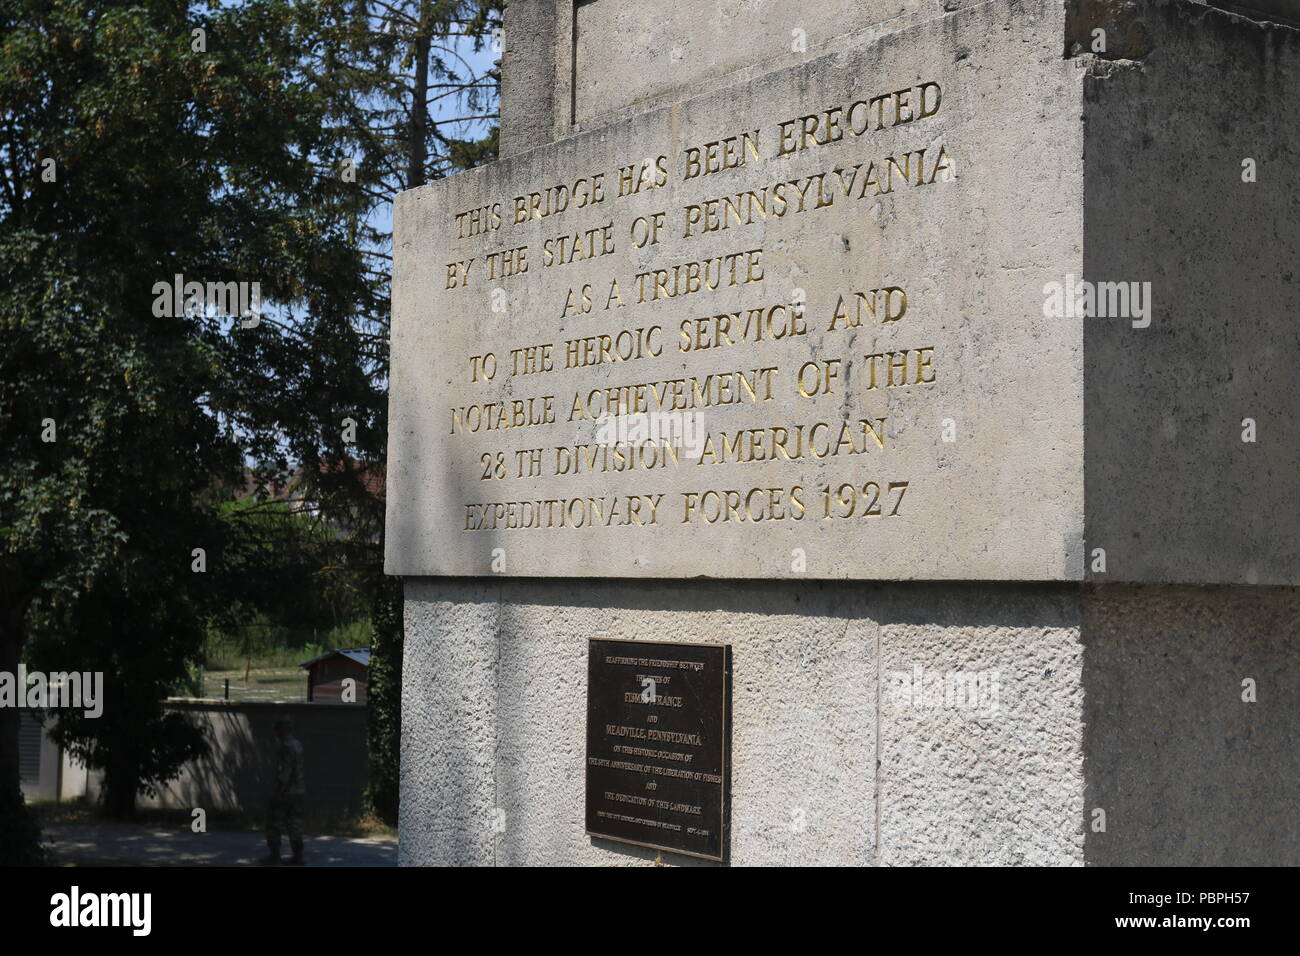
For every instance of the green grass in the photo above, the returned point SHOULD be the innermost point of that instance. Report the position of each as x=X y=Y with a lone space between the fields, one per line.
x=278 y=647
x=264 y=683
x=275 y=674
x=224 y=657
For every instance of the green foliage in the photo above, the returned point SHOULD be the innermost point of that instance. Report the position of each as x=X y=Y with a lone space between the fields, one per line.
x=284 y=647
x=360 y=633
x=416 y=112
x=189 y=685
x=139 y=633
x=280 y=571
x=20 y=837
x=223 y=654
x=468 y=153
x=221 y=165
x=168 y=161
x=384 y=700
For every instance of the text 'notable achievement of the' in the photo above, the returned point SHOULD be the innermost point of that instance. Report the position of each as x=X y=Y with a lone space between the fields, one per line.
x=658 y=744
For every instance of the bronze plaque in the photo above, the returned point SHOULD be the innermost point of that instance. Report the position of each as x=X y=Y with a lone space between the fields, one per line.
x=659 y=744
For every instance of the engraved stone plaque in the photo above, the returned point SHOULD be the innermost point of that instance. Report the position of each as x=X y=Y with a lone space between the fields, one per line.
x=789 y=328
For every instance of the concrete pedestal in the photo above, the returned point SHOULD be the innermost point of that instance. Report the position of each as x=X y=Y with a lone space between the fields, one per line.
x=1090 y=653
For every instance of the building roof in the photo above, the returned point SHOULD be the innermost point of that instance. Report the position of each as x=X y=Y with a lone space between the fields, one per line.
x=359 y=654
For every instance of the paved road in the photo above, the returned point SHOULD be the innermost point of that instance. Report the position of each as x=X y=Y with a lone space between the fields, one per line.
x=111 y=844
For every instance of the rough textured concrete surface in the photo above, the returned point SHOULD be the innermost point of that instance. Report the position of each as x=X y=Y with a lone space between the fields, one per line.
x=1282 y=11
x=636 y=53
x=1173 y=491
x=993 y=777
x=833 y=763
x=449 y=717
x=1187 y=771
x=529 y=51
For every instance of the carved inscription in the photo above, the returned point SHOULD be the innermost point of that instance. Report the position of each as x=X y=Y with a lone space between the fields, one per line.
x=649 y=360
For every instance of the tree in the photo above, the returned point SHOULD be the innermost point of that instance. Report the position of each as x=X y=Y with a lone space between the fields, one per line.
x=281 y=567
x=384 y=700
x=139 y=630
x=131 y=152
x=410 y=108
x=255 y=142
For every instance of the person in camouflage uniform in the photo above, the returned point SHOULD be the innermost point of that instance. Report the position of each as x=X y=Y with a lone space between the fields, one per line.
x=285 y=814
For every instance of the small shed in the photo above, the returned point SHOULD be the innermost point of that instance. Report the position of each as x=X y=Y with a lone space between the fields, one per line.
x=326 y=673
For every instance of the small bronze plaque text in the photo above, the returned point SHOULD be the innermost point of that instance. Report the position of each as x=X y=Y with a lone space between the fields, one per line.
x=659 y=744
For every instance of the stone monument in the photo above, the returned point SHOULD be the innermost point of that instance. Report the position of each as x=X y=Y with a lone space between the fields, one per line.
x=929 y=368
